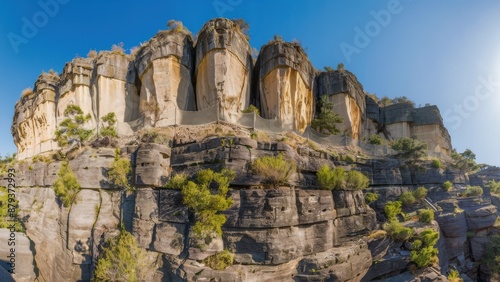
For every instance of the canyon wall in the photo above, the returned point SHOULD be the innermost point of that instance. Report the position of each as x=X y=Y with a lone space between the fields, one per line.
x=171 y=80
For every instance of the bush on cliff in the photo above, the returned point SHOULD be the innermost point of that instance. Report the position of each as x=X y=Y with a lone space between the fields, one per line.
x=420 y=193
x=339 y=179
x=220 y=261
x=370 y=197
x=392 y=209
x=473 y=191
x=121 y=260
x=426 y=215
x=326 y=121
x=276 y=170
x=71 y=129
x=120 y=173
x=447 y=186
x=375 y=139
x=407 y=198
x=66 y=185
x=177 y=181
x=427 y=254
x=493 y=186
x=109 y=130
x=465 y=162
x=492 y=257
x=9 y=208
x=207 y=197
x=397 y=231
x=409 y=148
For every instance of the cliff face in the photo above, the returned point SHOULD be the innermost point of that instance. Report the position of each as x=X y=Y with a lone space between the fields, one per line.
x=165 y=99
x=285 y=79
x=223 y=69
x=165 y=69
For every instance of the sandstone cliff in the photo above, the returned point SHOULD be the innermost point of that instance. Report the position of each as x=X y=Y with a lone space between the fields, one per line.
x=166 y=99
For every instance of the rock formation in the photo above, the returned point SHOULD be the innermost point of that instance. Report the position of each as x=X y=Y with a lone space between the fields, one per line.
x=165 y=100
x=165 y=68
x=286 y=80
x=348 y=98
x=223 y=69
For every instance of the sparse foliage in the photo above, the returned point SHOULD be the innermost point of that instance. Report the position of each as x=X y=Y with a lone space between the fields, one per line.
x=375 y=139
x=276 y=170
x=177 y=181
x=397 y=231
x=220 y=261
x=465 y=162
x=7 y=211
x=427 y=254
x=426 y=215
x=71 y=129
x=177 y=26
x=407 y=198
x=403 y=99
x=325 y=122
x=409 y=148
x=420 y=193
x=392 y=209
x=339 y=179
x=120 y=173
x=26 y=92
x=447 y=186
x=251 y=109
x=473 y=191
x=207 y=197
x=493 y=186
x=109 y=130
x=370 y=197
x=118 y=49
x=437 y=164
x=492 y=257
x=121 y=260
x=66 y=185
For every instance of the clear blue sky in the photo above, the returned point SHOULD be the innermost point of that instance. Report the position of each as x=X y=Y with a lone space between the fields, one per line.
x=437 y=52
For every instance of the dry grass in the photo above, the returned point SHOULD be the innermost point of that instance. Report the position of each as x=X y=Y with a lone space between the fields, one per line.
x=377 y=234
x=27 y=91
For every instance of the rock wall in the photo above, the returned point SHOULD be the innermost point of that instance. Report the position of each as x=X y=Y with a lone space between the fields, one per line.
x=223 y=69
x=285 y=84
x=346 y=93
x=165 y=68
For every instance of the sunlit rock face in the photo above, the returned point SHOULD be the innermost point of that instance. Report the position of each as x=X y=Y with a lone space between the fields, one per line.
x=34 y=118
x=115 y=90
x=285 y=84
x=165 y=69
x=347 y=95
x=75 y=88
x=223 y=65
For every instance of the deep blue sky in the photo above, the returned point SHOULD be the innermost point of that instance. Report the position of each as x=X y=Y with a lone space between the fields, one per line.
x=437 y=52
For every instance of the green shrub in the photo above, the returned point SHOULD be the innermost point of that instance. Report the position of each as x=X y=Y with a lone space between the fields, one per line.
x=375 y=139
x=251 y=109
x=66 y=185
x=447 y=186
x=392 y=209
x=356 y=180
x=420 y=193
x=177 y=181
x=6 y=212
x=493 y=186
x=349 y=159
x=110 y=129
x=275 y=170
x=454 y=276
x=410 y=148
x=326 y=120
x=473 y=191
x=397 y=231
x=465 y=162
x=120 y=173
x=71 y=129
x=426 y=215
x=207 y=205
x=492 y=257
x=330 y=179
x=437 y=164
x=407 y=198
x=371 y=197
x=121 y=260
x=220 y=261
x=427 y=255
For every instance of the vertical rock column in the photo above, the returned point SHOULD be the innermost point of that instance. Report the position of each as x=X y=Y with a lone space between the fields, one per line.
x=165 y=69
x=44 y=118
x=74 y=88
x=285 y=79
x=115 y=90
x=348 y=98
x=22 y=127
x=224 y=66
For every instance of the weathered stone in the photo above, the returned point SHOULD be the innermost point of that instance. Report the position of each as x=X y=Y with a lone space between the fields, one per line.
x=200 y=250
x=315 y=206
x=169 y=238
x=146 y=204
x=152 y=165
x=481 y=217
x=452 y=224
x=22 y=257
x=171 y=208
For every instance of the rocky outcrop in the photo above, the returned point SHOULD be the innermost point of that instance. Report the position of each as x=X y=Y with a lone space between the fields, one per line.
x=285 y=84
x=165 y=66
x=223 y=69
x=345 y=92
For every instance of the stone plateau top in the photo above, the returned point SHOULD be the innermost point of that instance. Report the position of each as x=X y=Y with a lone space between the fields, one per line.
x=172 y=80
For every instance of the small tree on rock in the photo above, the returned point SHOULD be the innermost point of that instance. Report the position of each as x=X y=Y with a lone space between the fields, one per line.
x=109 y=130
x=325 y=122
x=71 y=130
